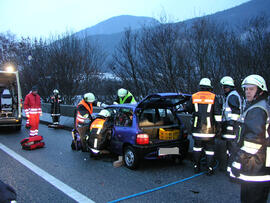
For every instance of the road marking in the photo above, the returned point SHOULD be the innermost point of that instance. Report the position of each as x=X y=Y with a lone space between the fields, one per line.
x=46 y=176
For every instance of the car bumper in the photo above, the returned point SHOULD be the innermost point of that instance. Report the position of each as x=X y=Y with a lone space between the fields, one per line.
x=10 y=122
x=153 y=151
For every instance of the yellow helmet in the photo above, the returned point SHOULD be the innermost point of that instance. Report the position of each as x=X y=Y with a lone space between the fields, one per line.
x=89 y=97
x=227 y=80
x=104 y=113
x=255 y=80
x=205 y=82
x=122 y=92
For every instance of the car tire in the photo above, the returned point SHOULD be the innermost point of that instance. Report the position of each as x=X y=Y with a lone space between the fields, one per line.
x=18 y=128
x=131 y=158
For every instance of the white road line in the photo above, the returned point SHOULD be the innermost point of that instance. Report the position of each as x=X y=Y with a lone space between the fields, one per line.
x=46 y=176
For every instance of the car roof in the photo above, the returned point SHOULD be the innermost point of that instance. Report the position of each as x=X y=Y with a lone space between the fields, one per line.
x=157 y=100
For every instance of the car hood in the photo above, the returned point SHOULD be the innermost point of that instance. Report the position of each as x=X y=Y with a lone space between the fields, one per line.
x=163 y=100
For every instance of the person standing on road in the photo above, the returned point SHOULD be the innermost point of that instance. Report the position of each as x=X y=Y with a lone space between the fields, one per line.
x=32 y=108
x=55 y=107
x=83 y=116
x=250 y=159
x=230 y=113
x=206 y=113
x=124 y=96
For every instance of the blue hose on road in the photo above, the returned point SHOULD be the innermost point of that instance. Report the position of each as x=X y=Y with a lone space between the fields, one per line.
x=161 y=187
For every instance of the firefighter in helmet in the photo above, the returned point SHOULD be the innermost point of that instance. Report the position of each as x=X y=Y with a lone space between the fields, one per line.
x=100 y=130
x=231 y=110
x=124 y=96
x=250 y=159
x=83 y=116
x=206 y=113
x=55 y=107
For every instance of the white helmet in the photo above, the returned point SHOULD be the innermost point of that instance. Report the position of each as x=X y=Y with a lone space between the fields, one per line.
x=89 y=97
x=227 y=80
x=104 y=113
x=122 y=92
x=255 y=80
x=205 y=82
x=55 y=91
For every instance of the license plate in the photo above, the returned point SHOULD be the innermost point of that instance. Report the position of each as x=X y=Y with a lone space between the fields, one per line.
x=168 y=151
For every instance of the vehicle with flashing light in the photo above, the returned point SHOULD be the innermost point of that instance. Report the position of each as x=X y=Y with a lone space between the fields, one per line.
x=11 y=99
x=150 y=129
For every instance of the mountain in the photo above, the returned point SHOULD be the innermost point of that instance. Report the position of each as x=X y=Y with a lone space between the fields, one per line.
x=237 y=16
x=109 y=32
x=117 y=24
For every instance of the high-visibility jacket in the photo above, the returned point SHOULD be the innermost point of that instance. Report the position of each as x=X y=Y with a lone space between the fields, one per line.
x=206 y=113
x=84 y=111
x=129 y=98
x=100 y=133
x=252 y=157
x=231 y=115
x=32 y=104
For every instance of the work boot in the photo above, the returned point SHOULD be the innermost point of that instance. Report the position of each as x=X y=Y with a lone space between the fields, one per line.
x=196 y=168
x=210 y=171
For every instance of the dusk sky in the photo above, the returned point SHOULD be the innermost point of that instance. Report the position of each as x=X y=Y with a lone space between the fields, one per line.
x=43 y=18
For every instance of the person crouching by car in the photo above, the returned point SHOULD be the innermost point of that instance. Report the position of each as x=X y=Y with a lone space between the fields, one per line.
x=100 y=132
x=83 y=116
x=250 y=159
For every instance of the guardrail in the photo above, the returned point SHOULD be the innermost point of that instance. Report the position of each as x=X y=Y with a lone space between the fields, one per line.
x=66 y=110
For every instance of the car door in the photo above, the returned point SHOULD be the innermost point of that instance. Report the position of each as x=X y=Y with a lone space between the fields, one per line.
x=123 y=131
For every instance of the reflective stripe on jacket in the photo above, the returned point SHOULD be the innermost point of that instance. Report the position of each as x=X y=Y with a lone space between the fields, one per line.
x=252 y=159
x=86 y=113
x=32 y=104
x=205 y=115
x=230 y=115
x=98 y=124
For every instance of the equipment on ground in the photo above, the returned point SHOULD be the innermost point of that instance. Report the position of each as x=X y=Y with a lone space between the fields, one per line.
x=32 y=143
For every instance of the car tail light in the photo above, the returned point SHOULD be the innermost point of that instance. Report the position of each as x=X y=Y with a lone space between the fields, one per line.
x=142 y=139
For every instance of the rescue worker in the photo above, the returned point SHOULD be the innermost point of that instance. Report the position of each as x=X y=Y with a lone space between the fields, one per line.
x=251 y=158
x=32 y=108
x=27 y=125
x=55 y=107
x=206 y=113
x=83 y=116
x=124 y=96
x=230 y=112
x=100 y=130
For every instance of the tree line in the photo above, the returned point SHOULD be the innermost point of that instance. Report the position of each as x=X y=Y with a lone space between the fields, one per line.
x=162 y=58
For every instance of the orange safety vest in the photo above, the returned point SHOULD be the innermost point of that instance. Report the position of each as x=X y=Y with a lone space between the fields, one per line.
x=203 y=97
x=90 y=110
x=97 y=123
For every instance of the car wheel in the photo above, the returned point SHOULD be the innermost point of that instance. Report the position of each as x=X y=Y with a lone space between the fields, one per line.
x=131 y=158
x=18 y=128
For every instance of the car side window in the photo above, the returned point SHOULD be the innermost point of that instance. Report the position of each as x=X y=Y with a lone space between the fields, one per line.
x=124 y=117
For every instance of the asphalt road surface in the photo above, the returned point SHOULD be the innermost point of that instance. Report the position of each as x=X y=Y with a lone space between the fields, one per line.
x=58 y=174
